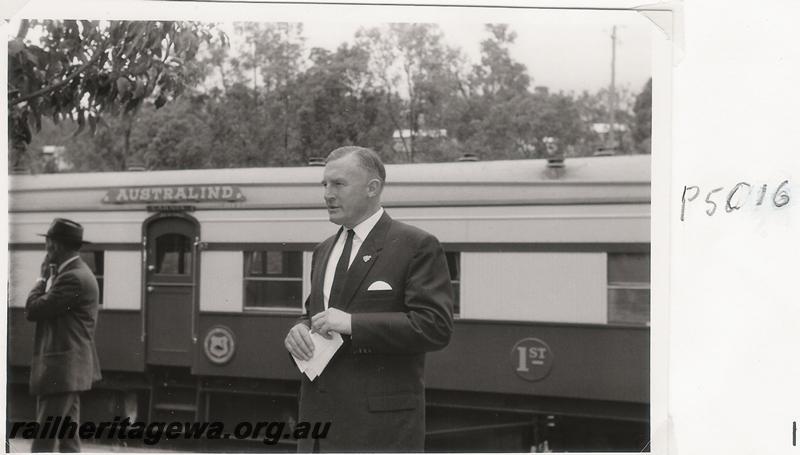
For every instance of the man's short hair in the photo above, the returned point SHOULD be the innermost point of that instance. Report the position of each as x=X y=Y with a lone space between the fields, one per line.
x=367 y=158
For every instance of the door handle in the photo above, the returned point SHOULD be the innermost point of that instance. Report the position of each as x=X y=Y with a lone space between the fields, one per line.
x=151 y=267
x=150 y=288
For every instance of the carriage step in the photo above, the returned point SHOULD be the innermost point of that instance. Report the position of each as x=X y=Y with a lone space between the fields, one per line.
x=174 y=392
x=173 y=385
x=181 y=407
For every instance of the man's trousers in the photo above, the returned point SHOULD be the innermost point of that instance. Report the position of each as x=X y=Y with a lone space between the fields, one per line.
x=53 y=406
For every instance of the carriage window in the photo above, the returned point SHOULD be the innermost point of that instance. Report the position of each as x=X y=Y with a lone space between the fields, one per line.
x=629 y=288
x=173 y=254
x=94 y=259
x=454 y=264
x=273 y=279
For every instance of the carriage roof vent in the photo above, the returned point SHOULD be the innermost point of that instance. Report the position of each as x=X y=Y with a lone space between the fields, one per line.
x=605 y=151
x=468 y=157
x=316 y=161
x=555 y=166
x=135 y=166
x=555 y=162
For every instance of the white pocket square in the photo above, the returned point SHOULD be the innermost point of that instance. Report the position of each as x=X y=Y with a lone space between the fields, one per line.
x=379 y=286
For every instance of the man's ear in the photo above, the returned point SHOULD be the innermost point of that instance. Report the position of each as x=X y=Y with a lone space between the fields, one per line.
x=374 y=187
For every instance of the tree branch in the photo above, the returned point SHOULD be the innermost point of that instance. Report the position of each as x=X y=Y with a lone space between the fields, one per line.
x=24 y=25
x=395 y=122
x=58 y=84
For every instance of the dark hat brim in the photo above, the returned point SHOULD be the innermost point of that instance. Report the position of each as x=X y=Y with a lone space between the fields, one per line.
x=83 y=242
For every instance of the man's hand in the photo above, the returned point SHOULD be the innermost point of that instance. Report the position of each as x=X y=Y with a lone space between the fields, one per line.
x=45 y=269
x=298 y=342
x=331 y=320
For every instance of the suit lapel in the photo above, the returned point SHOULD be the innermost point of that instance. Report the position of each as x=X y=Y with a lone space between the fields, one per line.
x=365 y=258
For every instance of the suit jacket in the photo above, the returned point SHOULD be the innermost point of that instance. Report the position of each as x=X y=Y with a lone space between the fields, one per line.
x=373 y=390
x=64 y=353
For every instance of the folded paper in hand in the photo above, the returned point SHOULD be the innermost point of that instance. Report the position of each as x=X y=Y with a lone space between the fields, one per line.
x=324 y=349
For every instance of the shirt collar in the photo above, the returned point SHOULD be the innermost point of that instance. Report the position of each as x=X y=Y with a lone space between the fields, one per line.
x=365 y=227
x=64 y=264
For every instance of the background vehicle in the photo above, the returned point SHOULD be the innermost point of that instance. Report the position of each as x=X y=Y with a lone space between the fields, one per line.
x=204 y=271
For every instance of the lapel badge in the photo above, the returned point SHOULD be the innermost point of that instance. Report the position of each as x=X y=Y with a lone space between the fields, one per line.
x=367 y=258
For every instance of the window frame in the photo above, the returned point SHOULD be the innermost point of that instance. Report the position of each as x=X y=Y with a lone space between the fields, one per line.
x=101 y=277
x=456 y=284
x=627 y=286
x=187 y=265
x=245 y=279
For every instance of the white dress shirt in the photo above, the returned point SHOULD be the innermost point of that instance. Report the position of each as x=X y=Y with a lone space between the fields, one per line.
x=362 y=230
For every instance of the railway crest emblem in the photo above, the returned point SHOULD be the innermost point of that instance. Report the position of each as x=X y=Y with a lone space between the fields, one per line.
x=219 y=345
x=531 y=359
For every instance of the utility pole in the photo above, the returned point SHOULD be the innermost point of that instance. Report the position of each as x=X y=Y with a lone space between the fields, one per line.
x=611 y=94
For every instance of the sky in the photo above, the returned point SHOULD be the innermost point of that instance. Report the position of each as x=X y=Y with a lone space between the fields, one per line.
x=564 y=49
x=567 y=58
x=569 y=55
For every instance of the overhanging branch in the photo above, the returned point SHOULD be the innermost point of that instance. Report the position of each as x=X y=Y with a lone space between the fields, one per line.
x=59 y=84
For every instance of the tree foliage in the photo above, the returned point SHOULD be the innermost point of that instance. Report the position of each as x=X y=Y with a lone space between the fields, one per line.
x=339 y=104
x=416 y=73
x=642 y=109
x=84 y=70
x=271 y=101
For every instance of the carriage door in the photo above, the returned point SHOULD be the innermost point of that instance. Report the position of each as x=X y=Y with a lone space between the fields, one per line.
x=169 y=290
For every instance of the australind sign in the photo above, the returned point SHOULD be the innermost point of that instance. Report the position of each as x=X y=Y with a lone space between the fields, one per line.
x=178 y=193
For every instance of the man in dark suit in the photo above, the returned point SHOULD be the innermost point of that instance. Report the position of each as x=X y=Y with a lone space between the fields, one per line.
x=64 y=305
x=385 y=287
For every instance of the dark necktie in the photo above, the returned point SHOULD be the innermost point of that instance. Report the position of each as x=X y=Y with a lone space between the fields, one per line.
x=340 y=276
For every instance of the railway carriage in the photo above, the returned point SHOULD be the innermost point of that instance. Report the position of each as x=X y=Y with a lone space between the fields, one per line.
x=202 y=272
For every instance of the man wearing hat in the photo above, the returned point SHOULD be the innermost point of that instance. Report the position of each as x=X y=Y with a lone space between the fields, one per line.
x=64 y=304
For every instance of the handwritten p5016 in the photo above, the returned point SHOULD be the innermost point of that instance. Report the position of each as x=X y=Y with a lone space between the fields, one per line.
x=737 y=197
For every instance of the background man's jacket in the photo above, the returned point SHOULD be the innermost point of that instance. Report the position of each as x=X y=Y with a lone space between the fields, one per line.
x=373 y=389
x=64 y=353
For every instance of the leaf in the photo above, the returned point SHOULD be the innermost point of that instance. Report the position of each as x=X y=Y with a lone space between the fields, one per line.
x=31 y=57
x=131 y=105
x=160 y=101
x=140 y=69
x=57 y=67
x=81 y=123
x=25 y=131
x=139 y=91
x=15 y=46
x=88 y=28
x=123 y=86
x=29 y=118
